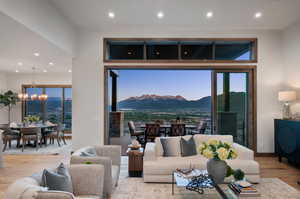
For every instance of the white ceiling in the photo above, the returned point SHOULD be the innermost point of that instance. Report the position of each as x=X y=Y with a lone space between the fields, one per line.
x=228 y=14
x=18 y=45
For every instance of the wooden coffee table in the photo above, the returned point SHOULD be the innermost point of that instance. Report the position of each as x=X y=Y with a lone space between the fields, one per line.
x=135 y=162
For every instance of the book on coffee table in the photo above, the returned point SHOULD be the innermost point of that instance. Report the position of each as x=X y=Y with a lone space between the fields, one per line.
x=241 y=191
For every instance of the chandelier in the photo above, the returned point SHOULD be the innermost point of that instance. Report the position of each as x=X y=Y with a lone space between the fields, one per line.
x=24 y=96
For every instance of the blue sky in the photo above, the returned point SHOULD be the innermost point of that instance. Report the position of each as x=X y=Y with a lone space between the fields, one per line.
x=191 y=84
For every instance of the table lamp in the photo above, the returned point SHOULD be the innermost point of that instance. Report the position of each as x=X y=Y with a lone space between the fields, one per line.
x=286 y=97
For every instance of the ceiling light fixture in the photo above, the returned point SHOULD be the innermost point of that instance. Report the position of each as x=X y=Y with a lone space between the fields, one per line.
x=20 y=64
x=17 y=71
x=69 y=70
x=111 y=15
x=44 y=70
x=160 y=15
x=209 y=14
x=51 y=63
x=36 y=54
x=258 y=15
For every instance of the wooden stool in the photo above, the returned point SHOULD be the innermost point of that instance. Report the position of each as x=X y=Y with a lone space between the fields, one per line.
x=135 y=162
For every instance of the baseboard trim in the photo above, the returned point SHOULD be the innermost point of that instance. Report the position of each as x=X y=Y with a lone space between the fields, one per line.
x=265 y=155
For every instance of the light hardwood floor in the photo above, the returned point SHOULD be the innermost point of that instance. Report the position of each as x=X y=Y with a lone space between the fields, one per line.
x=17 y=166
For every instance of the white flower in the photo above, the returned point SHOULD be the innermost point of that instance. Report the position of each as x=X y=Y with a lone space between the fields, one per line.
x=222 y=153
x=208 y=154
x=213 y=142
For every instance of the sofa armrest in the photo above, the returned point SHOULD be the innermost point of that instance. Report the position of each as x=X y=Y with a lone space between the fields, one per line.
x=87 y=179
x=243 y=152
x=105 y=161
x=54 y=195
x=112 y=151
x=150 y=154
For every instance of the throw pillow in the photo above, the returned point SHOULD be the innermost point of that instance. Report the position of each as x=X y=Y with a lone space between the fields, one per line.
x=59 y=180
x=188 y=147
x=87 y=154
x=171 y=146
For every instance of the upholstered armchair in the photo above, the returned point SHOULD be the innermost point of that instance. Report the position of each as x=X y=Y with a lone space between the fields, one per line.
x=109 y=156
x=87 y=182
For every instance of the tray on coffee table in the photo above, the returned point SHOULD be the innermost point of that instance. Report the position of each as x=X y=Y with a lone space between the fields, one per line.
x=198 y=181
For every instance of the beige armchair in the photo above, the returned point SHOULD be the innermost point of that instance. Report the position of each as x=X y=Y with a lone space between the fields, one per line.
x=109 y=156
x=87 y=182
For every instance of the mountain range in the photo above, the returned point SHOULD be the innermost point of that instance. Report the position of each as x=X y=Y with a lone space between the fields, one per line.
x=144 y=102
x=147 y=102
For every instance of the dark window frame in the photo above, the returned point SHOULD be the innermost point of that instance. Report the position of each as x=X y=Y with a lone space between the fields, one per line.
x=106 y=41
x=43 y=104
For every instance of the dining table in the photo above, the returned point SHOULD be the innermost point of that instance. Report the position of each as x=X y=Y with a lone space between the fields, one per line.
x=42 y=126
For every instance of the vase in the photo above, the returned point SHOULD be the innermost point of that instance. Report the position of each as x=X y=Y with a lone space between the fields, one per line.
x=217 y=169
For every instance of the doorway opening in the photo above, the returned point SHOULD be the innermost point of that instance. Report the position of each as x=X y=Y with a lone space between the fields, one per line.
x=219 y=100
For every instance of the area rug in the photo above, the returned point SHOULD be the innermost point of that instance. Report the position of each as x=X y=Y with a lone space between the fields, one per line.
x=135 y=188
x=50 y=149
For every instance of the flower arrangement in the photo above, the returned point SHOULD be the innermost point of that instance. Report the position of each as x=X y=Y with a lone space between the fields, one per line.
x=32 y=118
x=218 y=150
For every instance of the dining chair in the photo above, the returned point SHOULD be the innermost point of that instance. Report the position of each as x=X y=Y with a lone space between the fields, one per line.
x=177 y=130
x=55 y=133
x=31 y=134
x=139 y=134
x=9 y=135
x=152 y=131
x=201 y=127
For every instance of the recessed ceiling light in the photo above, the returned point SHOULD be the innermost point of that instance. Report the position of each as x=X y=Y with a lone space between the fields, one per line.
x=17 y=71
x=111 y=15
x=69 y=70
x=44 y=70
x=209 y=14
x=36 y=54
x=160 y=15
x=20 y=64
x=258 y=15
x=51 y=63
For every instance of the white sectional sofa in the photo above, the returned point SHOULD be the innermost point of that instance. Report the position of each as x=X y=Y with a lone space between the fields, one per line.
x=158 y=168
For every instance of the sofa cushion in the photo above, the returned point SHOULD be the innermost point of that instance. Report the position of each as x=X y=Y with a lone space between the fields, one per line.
x=171 y=146
x=188 y=147
x=166 y=165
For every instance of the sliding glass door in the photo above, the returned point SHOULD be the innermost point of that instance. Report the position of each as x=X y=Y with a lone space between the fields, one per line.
x=232 y=105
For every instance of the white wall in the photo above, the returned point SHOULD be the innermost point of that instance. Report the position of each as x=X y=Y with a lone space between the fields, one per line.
x=15 y=81
x=3 y=111
x=291 y=48
x=88 y=87
x=42 y=18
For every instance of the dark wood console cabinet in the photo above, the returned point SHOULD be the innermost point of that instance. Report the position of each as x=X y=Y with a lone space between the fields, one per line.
x=287 y=140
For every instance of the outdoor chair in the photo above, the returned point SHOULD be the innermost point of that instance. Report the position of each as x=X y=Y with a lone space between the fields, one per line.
x=152 y=131
x=177 y=130
x=139 y=134
x=200 y=128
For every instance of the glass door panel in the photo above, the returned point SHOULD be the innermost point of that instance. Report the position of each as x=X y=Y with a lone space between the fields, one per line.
x=231 y=99
x=68 y=108
x=53 y=106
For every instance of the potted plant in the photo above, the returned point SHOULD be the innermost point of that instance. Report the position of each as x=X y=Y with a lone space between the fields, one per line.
x=217 y=152
x=31 y=119
x=8 y=99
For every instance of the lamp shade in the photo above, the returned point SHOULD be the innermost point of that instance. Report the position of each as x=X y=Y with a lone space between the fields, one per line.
x=287 y=96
